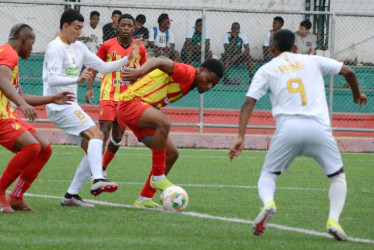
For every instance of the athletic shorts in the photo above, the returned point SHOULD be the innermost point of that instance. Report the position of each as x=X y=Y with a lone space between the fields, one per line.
x=129 y=113
x=72 y=120
x=300 y=136
x=108 y=110
x=11 y=129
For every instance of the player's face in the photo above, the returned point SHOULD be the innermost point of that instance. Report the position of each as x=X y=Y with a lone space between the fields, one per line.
x=199 y=28
x=164 y=25
x=28 y=42
x=235 y=30
x=138 y=25
x=205 y=80
x=303 y=31
x=115 y=18
x=73 y=31
x=126 y=28
x=94 y=21
x=277 y=25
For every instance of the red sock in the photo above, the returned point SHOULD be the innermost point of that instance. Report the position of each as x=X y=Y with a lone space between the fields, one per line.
x=147 y=190
x=158 y=161
x=15 y=166
x=108 y=157
x=31 y=172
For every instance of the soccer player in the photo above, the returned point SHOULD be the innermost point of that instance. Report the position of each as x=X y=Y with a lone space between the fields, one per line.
x=63 y=62
x=139 y=107
x=297 y=93
x=112 y=85
x=32 y=150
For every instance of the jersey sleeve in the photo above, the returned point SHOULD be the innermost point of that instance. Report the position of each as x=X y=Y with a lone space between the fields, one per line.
x=226 y=39
x=151 y=35
x=101 y=53
x=207 y=35
x=183 y=74
x=267 y=40
x=328 y=66
x=171 y=37
x=7 y=58
x=190 y=33
x=54 y=60
x=245 y=39
x=143 y=56
x=259 y=85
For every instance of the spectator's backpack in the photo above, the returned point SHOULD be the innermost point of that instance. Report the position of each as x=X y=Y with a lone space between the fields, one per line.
x=155 y=34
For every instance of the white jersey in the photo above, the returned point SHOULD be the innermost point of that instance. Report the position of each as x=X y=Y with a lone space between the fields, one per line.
x=96 y=36
x=295 y=84
x=161 y=39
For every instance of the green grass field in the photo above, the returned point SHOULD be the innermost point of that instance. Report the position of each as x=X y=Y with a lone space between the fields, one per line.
x=223 y=202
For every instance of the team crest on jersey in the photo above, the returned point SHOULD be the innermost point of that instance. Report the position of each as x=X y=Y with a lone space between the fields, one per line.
x=114 y=53
x=16 y=126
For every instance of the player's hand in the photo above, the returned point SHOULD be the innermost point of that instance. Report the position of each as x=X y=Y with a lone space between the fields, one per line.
x=131 y=74
x=135 y=49
x=29 y=111
x=361 y=100
x=87 y=75
x=89 y=94
x=65 y=97
x=236 y=149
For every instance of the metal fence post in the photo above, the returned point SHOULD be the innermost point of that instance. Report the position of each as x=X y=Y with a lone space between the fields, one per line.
x=201 y=107
x=332 y=55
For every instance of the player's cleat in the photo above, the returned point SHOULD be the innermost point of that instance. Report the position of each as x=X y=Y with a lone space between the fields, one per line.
x=104 y=175
x=19 y=204
x=101 y=185
x=260 y=223
x=333 y=228
x=75 y=201
x=4 y=206
x=147 y=204
x=161 y=185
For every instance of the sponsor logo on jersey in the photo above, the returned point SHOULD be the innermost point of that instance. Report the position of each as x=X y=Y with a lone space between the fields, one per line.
x=283 y=69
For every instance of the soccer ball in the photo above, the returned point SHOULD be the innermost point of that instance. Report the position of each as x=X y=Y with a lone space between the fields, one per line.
x=174 y=199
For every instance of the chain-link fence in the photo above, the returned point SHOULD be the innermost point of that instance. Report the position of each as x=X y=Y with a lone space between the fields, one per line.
x=237 y=36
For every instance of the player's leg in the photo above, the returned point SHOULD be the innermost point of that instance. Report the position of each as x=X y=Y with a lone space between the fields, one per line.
x=29 y=173
x=247 y=59
x=17 y=139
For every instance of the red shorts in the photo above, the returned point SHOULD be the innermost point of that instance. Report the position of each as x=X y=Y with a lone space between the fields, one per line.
x=108 y=110
x=11 y=129
x=129 y=113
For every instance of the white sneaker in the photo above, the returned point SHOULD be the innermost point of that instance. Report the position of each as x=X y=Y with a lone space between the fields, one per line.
x=260 y=223
x=103 y=186
x=75 y=201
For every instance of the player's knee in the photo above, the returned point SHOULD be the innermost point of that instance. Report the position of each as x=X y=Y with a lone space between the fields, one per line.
x=163 y=124
x=47 y=152
x=173 y=154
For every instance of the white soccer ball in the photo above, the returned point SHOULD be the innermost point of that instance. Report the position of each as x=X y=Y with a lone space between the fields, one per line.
x=174 y=199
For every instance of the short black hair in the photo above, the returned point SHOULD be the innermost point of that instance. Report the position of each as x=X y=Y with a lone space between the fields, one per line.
x=162 y=17
x=16 y=29
x=307 y=24
x=94 y=13
x=128 y=16
x=284 y=40
x=70 y=16
x=140 y=18
x=199 y=20
x=116 y=12
x=235 y=24
x=213 y=65
x=279 y=19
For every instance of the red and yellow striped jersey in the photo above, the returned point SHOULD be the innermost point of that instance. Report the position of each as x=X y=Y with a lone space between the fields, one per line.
x=9 y=57
x=111 y=84
x=159 y=89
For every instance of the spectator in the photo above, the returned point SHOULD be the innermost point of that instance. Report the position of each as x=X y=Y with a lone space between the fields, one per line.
x=234 y=42
x=140 y=30
x=305 y=42
x=110 y=29
x=91 y=34
x=161 y=39
x=277 y=25
x=191 y=50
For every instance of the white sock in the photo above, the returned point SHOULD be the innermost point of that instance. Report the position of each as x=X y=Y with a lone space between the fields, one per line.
x=157 y=178
x=142 y=198
x=95 y=157
x=82 y=175
x=266 y=186
x=337 y=193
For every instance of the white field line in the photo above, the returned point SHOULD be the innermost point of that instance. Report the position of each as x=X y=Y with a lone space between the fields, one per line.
x=212 y=217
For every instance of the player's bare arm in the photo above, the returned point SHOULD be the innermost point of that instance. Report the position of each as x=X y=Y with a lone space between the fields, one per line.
x=245 y=113
x=89 y=91
x=87 y=75
x=162 y=63
x=11 y=93
x=135 y=49
x=351 y=78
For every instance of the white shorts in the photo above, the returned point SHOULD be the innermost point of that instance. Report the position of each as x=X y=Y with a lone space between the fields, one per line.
x=72 y=120
x=300 y=136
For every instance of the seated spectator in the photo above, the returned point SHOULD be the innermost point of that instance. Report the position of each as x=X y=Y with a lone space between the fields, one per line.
x=305 y=42
x=191 y=50
x=110 y=29
x=92 y=34
x=277 y=25
x=140 y=30
x=161 y=39
x=233 y=43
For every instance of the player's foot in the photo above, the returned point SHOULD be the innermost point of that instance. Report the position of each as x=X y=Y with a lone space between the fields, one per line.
x=333 y=228
x=4 y=205
x=75 y=201
x=161 y=185
x=147 y=204
x=260 y=223
x=100 y=185
x=18 y=204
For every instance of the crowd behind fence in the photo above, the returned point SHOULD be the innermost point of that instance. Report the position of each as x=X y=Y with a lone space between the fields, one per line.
x=346 y=37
